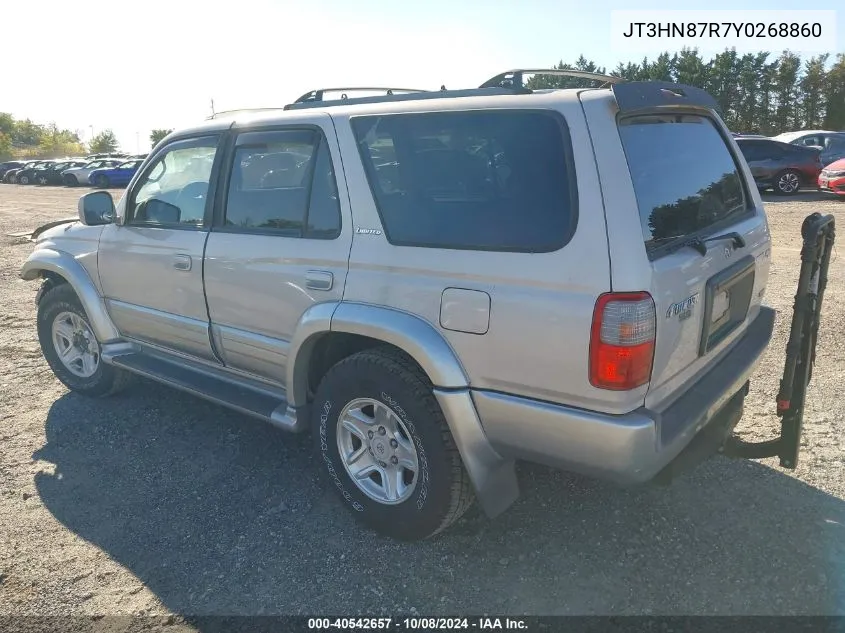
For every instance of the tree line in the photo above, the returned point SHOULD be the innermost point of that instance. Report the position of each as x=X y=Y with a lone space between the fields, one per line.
x=756 y=92
x=23 y=139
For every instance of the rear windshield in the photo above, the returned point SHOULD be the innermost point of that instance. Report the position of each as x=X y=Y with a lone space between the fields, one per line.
x=684 y=176
x=480 y=180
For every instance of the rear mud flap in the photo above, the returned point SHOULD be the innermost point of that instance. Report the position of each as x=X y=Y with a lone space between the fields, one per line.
x=818 y=233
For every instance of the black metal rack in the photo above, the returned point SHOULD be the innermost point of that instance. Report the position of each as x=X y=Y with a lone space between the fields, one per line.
x=515 y=78
x=409 y=96
x=818 y=233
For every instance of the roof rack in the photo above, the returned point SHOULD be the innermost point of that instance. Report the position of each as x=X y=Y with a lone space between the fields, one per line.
x=223 y=113
x=514 y=78
x=317 y=95
x=416 y=95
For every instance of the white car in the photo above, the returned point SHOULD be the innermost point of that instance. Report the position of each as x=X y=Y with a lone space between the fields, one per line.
x=79 y=175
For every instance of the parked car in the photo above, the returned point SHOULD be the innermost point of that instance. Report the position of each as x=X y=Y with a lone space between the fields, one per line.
x=833 y=149
x=79 y=175
x=832 y=178
x=26 y=175
x=52 y=174
x=11 y=176
x=106 y=155
x=9 y=165
x=783 y=167
x=118 y=176
x=809 y=138
x=606 y=357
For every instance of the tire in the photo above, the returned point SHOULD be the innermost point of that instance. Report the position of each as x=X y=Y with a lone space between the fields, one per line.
x=440 y=490
x=61 y=305
x=787 y=183
x=70 y=180
x=23 y=180
x=102 y=181
x=42 y=180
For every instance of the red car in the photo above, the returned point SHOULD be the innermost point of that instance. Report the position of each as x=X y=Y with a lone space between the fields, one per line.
x=832 y=178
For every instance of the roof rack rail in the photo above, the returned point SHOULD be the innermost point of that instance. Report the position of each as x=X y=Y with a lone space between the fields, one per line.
x=420 y=95
x=223 y=113
x=317 y=95
x=515 y=78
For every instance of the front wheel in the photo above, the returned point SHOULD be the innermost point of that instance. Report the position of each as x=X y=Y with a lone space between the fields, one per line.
x=787 y=183
x=70 y=347
x=386 y=448
x=70 y=180
x=102 y=182
x=23 y=180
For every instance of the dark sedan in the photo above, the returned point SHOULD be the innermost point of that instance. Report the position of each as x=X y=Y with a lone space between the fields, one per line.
x=8 y=166
x=14 y=175
x=26 y=176
x=783 y=167
x=52 y=174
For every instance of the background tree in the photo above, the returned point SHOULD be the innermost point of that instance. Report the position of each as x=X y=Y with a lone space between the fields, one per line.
x=103 y=143
x=834 y=95
x=157 y=135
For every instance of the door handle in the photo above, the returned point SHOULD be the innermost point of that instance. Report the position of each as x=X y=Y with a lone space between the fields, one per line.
x=182 y=262
x=319 y=280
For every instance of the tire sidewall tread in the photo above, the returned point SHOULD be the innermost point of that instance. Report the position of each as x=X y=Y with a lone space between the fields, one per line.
x=442 y=493
x=107 y=380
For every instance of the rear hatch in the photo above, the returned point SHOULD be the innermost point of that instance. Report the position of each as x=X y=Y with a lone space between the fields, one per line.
x=705 y=236
x=688 y=226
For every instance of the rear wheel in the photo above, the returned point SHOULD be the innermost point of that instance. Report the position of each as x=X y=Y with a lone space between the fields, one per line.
x=42 y=180
x=384 y=443
x=70 y=347
x=102 y=181
x=787 y=182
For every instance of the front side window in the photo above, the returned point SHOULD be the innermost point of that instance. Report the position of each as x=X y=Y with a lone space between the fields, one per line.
x=174 y=189
x=283 y=182
x=684 y=176
x=498 y=180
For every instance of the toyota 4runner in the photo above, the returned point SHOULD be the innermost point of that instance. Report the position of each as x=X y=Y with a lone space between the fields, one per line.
x=434 y=284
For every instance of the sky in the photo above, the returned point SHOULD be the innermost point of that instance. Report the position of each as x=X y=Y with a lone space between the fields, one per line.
x=136 y=66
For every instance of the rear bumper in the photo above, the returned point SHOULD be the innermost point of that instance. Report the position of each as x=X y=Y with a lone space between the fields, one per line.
x=635 y=447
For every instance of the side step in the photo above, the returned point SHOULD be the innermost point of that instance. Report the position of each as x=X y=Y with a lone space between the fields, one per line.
x=213 y=385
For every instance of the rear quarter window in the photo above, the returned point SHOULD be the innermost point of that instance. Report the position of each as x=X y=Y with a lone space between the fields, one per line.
x=496 y=180
x=684 y=176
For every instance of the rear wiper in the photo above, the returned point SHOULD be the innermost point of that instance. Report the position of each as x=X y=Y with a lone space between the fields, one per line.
x=701 y=244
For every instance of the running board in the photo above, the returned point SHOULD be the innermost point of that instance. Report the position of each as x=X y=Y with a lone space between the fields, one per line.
x=210 y=384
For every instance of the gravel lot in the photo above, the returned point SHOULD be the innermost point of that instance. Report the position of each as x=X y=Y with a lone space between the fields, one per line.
x=155 y=502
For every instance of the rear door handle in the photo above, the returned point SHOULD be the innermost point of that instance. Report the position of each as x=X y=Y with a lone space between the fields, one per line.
x=319 y=280
x=182 y=262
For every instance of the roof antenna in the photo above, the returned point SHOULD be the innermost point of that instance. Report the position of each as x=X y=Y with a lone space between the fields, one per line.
x=212 y=109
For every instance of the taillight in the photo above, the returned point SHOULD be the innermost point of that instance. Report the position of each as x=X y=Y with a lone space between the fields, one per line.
x=622 y=340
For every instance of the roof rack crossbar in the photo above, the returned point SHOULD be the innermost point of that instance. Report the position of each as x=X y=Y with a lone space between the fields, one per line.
x=317 y=95
x=515 y=78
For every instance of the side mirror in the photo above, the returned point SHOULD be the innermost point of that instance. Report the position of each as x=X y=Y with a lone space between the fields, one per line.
x=158 y=212
x=96 y=208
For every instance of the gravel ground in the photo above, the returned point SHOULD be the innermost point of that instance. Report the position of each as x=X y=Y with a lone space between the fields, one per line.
x=157 y=503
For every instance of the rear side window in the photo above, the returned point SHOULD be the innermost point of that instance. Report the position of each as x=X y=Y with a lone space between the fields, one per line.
x=684 y=176
x=282 y=182
x=484 y=180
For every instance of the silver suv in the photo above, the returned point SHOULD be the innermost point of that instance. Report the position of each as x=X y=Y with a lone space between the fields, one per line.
x=434 y=284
